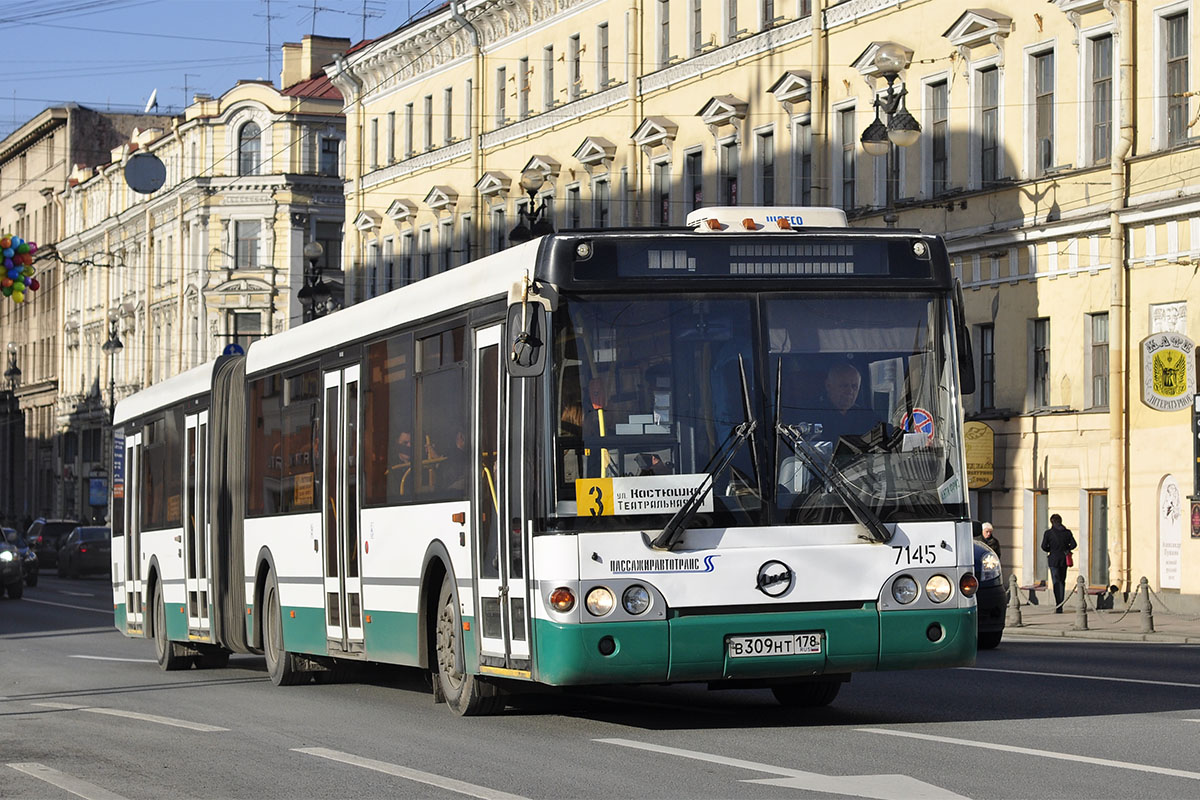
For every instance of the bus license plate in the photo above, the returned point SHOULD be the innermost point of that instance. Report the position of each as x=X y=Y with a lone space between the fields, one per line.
x=781 y=644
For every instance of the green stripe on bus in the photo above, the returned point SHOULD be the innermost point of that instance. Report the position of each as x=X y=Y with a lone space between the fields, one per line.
x=904 y=643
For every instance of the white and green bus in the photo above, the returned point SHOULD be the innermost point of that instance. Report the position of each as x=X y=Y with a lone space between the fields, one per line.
x=730 y=453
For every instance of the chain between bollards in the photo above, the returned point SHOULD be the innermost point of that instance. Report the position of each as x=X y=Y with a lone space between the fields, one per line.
x=1081 y=622
x=1012 y=618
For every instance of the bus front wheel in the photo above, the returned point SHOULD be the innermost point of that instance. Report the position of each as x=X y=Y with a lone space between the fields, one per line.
x=806 y=695
x=466 y=694
x=281 y=665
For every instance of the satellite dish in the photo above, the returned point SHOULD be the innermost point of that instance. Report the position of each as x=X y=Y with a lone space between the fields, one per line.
x=145 y=173
x=152 y=103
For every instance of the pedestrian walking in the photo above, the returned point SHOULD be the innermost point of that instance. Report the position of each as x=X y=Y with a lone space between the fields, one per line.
x=1058 y=542
x=989 y=538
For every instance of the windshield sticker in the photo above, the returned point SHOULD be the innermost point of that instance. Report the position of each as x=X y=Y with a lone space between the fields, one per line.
x=919 y=421
x=661 y=566
x=650 y=494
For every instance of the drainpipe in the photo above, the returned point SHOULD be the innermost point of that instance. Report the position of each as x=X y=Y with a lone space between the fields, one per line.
x=1118 y=314
x=818 y=120
x=633 y=74
x=344 y=70
x=476 y=116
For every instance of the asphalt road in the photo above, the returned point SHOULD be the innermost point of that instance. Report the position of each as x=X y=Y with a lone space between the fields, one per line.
x=85 y=712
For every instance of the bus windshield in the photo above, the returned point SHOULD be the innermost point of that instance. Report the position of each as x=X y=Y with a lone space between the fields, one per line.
x=866 y=415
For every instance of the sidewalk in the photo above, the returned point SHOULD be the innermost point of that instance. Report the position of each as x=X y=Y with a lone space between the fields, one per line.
x=1108 y=625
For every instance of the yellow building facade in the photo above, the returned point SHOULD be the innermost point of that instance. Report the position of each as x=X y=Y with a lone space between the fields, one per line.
x=1056 y=155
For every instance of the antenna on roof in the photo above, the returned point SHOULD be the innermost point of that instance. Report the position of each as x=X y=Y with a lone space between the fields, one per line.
x=152 y=103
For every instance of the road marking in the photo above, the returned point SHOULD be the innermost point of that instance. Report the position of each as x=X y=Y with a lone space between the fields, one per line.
x=881 y=787
x=1008 y=748
x=64 y=632
x=77 y=594
x=107 y=611
x=112 y=658
x=116 y=712
x=1082 y=677
x=75 y=786
x=409 y=774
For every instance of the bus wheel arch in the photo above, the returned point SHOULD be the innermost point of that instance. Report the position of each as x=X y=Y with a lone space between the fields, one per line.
x=265 y=569
x=434 y=568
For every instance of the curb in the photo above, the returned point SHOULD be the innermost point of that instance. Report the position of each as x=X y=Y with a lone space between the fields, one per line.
x=1110 y=636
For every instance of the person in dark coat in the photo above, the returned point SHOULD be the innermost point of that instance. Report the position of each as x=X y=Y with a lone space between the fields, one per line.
x=1058 y=542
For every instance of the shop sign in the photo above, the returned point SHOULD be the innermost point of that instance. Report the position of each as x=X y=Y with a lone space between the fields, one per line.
x=1168 y=371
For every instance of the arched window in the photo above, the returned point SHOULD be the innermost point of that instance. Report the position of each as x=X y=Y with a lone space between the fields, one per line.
x=249 y=149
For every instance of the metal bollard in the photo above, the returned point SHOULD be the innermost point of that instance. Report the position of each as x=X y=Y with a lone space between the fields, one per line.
x=1012 y=618
x=1080 y=604
x=1144 y=607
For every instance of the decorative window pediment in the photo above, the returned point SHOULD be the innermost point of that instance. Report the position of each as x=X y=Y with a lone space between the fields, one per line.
x=721 y=110
x=791 y=88
x=1081 y=6
x=977 y=27
x=367 y=221
x=655 y=132
x=595 y=151
x=441 y=198
x=493 y=184
x=401 y=211
x=546 y=165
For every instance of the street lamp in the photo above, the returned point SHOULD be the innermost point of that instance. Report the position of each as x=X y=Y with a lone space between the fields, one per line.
x=314 y=296
x=13 y=408
x=532 y=222
x=112 y=347
x=13 y=373
x=902 y=129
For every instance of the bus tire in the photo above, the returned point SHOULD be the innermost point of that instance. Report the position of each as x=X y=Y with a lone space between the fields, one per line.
x=814 y=694
x=467 y=695
x=170 y=655
x=281 y=665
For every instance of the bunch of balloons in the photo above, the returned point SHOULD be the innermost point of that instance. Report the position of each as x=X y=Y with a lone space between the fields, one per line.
x=18 y=268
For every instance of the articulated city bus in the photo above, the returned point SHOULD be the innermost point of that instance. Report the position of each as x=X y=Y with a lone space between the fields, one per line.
x=730 y=453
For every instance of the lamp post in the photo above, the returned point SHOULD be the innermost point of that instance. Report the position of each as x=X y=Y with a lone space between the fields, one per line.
x=112 y=347
x=13 y=376
x=314 y=295
x=532 y=222
x=902 y=129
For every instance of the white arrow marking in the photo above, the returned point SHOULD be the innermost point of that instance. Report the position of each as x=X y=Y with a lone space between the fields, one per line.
x=116 y=712
x=881 y=787
x=408 y=773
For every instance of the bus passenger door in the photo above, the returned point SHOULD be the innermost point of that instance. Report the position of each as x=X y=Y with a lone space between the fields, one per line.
x=134 y=622
x=339 y=513
x=196 y=530
x=499 y=549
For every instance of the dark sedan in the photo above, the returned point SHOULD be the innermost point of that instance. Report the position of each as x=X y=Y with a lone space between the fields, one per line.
x=29 y=559
x=86 y=549
x=45 y=536
x=11 y=579
x=991 y=598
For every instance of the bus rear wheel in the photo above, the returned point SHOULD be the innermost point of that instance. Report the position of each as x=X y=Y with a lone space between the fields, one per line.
x=467 y=695
x=170 y=655
x=813 y=694
x=281 y=665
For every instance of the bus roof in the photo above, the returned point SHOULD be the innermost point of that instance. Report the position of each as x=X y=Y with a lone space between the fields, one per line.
x=716 y=219
x=196 y=381
x=486 y=277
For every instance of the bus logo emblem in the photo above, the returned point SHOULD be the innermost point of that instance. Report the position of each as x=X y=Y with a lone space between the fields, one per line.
x=775 y=578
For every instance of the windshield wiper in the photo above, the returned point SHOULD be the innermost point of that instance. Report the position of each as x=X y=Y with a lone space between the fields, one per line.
x=793 y=437
x=672 y=532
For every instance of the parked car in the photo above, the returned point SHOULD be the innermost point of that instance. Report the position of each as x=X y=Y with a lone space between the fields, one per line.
x=11 y=579
x=991 y=599
x=87 y=548
x=45 y=537
x=29 y=559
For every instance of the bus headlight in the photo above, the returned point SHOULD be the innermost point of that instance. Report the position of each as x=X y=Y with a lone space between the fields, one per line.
x=905 y=590
x=562 y=599
x=599 y=601
x=636 y=599
x=938 y=588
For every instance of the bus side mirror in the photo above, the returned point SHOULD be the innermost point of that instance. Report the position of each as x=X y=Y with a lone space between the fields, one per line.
x=966 y=355
x=526 y=340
